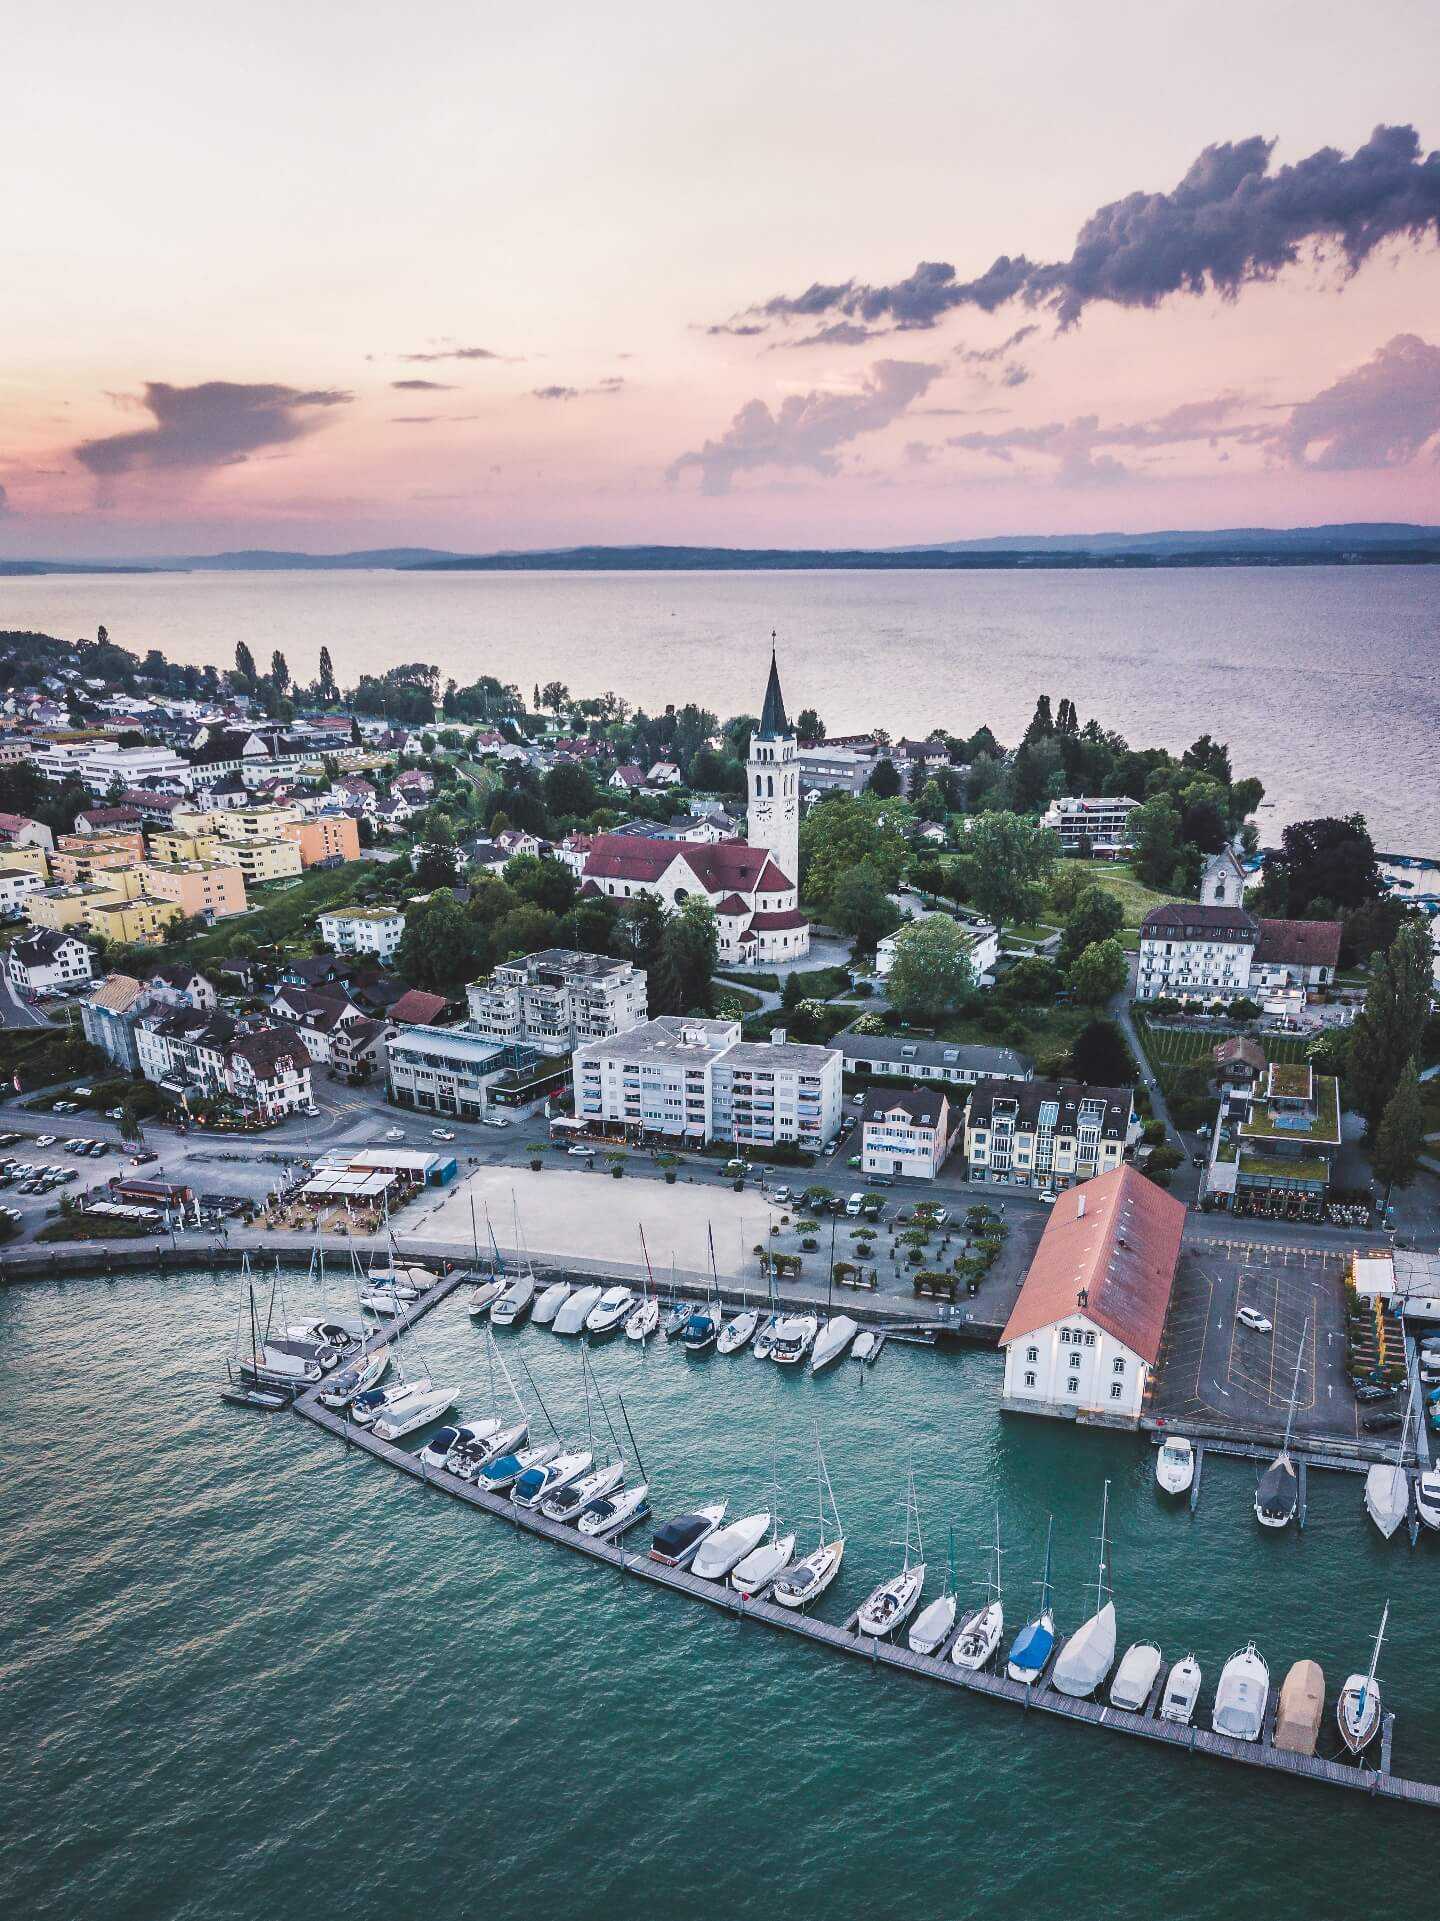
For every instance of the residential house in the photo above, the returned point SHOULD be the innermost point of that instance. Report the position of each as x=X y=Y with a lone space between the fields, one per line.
x=1090 y=825
x=108 y=1016
x=202 y=889
x=628 y=779
x=179 y=984
x=1083 y=1338
x=894 y=1056
x=49 y=961
x=416 y=1006
x=826 y=769
x=393 y=811
x=1238 y=1060
x=664 y=774
x=1196 y=952
x=268 y=1075
x=907 y=1132
x=1295 y=953
x=1045 y=1134
x=324 y=840
x=377 y=931
x=17 y=884
x=1277 y=1137
x=108 y=820
x=556 y=1000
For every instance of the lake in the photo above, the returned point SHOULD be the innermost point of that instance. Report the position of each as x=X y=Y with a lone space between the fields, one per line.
x=1322 y=679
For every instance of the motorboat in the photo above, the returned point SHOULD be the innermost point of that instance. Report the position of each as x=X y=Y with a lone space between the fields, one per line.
x=1035 y=1643
x=737 y=1333
x=674 y=1318
x=1302 y=1704
x=1387 y=1496
x=281 y=1355
x=610 y=1311
x=515 y=1303
x=483 y=1296
x=1427 y=1496
x=403 y=1417
x=571 y=1502
x=1358 y=1708
x=537 y=1484
x=701 y=1331
x=761 y=1565
x=450 y=1440
x=398 y=1280
x=1089 y=1653
x=574 y=1313
x=1241 y=1697
x=1137 y=1673
x=643 y=1320
x=932 y=1624
x=981 y=1629
x=618 y=1510
x=890 y=1605
x=341 y=1335
x=832 y=1341
x=548 y=1303
x=367 y=1408
x=728 y=1546
x=505 y=1470
x=865 y=1348
x=467 y=1458
x=383 y=1302
x=355 y=1377
x=1175 y=1464
x=1182 y=1691
x=793 y=1339
x=677 y=1541
x=764 y=1340
x=1277 y=1493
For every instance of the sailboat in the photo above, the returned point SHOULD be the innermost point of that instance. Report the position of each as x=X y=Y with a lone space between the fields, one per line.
x=980 y=1632
x=739 y=1331
x=645 y=1318
x=766 y=1559
x=1358 y=1709
x=1035 y=1643
x=723 y=1552
x=1086 y=1657
x=893 y=1602
x=702 y=1330
x=935 y=1620
x=805 y=1581
x=1387 y=1485
x=252 y=1389
x=484 y=1294
x=1277 y=1494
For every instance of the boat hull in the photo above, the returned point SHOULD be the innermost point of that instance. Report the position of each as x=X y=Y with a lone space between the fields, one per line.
x=823 y=1565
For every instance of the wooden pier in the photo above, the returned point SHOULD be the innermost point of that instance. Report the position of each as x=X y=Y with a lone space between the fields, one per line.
x=1038 y=1696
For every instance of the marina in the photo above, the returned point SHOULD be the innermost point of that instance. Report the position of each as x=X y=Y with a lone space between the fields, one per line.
x=1042 y=1696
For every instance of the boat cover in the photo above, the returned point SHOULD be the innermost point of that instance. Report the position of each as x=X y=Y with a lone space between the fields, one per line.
x=1302 y=1702
x=1032 y=1645
x=1086 y=1657
x=1279 y=1491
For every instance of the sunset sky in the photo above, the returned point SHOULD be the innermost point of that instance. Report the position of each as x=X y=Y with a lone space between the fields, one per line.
x=474 y=277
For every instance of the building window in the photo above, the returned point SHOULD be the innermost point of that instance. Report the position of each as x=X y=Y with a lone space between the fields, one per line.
x=1118 y=1367
x=1029 y=1380
x=1074 y=1360
x=1072 y=1386
x=1089 y=1340
x=1116 y=1390
x=1032 y=1353
x=1065 y=1336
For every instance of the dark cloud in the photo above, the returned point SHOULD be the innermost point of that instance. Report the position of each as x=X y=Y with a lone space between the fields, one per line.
x=611 y=384
x=919 y=453
x=217 y=424
x=556 y=393
x=422 y=386
x=840 y=333
x=459 y=353
x=985 y=356
x=807 y=430
x=1231 y=221
x=1014 y=375
x=1379 y=415
x=743 y=330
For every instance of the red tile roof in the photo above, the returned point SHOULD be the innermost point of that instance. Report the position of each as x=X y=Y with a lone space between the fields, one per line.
x=769 y=923
x=731 y=906
x=416 y=1006
x=1120 y=1252
x=729 y=866
x=1299 y=943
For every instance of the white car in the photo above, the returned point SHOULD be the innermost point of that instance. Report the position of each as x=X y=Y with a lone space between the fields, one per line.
x=1048 y=1196
x=441 y=1134
x=394 y=1133
x=496 y=1120
x=46 y=1140
x=581 y=1153
x=311 y=1113
x=1251 y=1317
x=854 y=1205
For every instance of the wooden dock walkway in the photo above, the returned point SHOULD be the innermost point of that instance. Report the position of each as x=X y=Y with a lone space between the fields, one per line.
x=995 y=1686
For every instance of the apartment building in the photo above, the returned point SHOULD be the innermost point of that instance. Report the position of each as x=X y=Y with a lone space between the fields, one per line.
x=1045 y=1134
x=109 y=1017
x=202 y=889
x=777 y=1090
x=907 y=1132
x=363 y=930
x=47 y=961
x=920 y=1060
x=17 y=884
x=558 y=999
x=1196 y=951
x=1096 y=825
x=84 y=857
x=443 y=1070
x=825 y=770
x=138 y=922
x=328 y=837
x=170 y=847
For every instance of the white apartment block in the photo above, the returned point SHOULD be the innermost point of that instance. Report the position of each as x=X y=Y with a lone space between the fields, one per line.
x=558 y=999
x=1045 y=1134
x=1192 y=951
x=131 y=766
x=363 y=930
x=1103 y=825
x=15 y=884
x=697 y=1080
x=906 y=1132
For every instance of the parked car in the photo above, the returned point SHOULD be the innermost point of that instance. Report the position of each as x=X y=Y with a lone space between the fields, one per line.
x=578 y=1153
x=97 y=1148
x=1048 y=1197
x=442 y=1134
x=1252 y=1317
x=143 y=1157
x=781 y=1196
x=882 y=1180
x=854 y=1206
x=394 y=1133
x=114 y=1113
x=496 y=1120
x=1380 y=1423
x=1368 y=1391
x=311 y=1112
x=46 y=1140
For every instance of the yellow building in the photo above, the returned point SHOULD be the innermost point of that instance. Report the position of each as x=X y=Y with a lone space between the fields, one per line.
x=254 y=823
x=262 y=860
x=82 y=857
x=210 y=889
x=176 y=847
x=194 y=820
x=134 y=923
x=34 y=860
x=62 y=907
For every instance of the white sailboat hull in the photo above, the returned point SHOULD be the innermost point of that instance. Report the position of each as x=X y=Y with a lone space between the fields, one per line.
x=355 y=1378
x=549 y=1302
x=569 y=1503
x=1087 y=1656
x=396 y=1422
x=483 y=1297
x=735 y=1334
x=892 y=1603
x=617 y=1511
x=1358 y=1712
x=931 y=1625
x=573 y=1315
x=979 y=1637
x=807 y=1580
x=762 y=1565
x=832 y=1341
x=727 y=1547
x=643 y=1321
x=1387 y=1496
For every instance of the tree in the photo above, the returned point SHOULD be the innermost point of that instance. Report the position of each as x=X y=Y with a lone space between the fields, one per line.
x=1098 y=973
x=554 y=695
x=441 y=947
x=884 y=781
x=860 y=905
x=639 y=929
x=1069 y=884
x=841 y=831
x=279 y=672
x=933 y=971
x=1096 y=916
x=1013 y=860
x=245 y=675
x=1389 y=1028
x=1154 y=829
x=808 y=724
x=1400 y=1137
x=436 y=867
x=689 y=949
x=569 y=789
x=1100 y=1056
x=525 y=930
x=544 y=882
x=1029 y=981
x=326 y=686
x=1326 y=860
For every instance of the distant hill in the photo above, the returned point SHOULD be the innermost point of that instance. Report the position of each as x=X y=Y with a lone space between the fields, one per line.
x=277 y=560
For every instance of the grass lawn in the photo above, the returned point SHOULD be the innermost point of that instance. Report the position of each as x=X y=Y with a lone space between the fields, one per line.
x=1179 y=1047
x=284 y=915
x=1032 y=934
x=1043 y=1033
x=1115 y=877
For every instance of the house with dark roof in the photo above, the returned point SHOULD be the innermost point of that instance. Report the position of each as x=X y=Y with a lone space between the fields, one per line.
x=1045 y=1134
x=48 y=961
x=1296 y=953
x=417 y=1008
x=1083 y=1338
x=1193 y=950
x=900 y=1056
x=178 y=984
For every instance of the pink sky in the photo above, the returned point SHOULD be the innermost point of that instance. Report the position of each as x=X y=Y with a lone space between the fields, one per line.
x=237 y=235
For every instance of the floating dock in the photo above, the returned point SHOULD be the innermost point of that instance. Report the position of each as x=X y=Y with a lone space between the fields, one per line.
x=1039 y=1696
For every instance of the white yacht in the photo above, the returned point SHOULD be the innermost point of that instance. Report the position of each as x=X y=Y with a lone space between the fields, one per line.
x=761 y=1565
x=548 y=1303
x=764 y=1338
x=483 y=1296
x=643 y=1320
x=366 y=1408
x=1089 y=1653
x=1387 y=1485
x=612 y=1308
x=891 y=1604
x=737 y=1333
x=514 y=1304
x=832 y=1341
x=618 y=1510
x=1427 y=1496
x=728 y=1546
x=355 y=1377
x=537 y=1484
x=449 y=1440
x=1277 y=1494
x=980 y=1631
x=793 y=1339
x=1175 y=1464
x=1182 y=1691
x=570 y=1502
x=574 y=1313
x=931 y=1625
x=1137 y=1673
x=383 y=1300
x=504 y=1469
x=806 y=1580
x=866 y=1345
x=341 y=1335
x=1242 y=1695
x=467 y=1458
x=1358 y=1708
x=403 y=1417
x=676 y=1543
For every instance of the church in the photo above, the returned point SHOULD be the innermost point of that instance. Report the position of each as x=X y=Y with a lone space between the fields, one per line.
x=752 y=884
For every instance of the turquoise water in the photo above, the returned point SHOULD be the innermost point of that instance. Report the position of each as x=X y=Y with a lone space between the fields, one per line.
x=242 y=1666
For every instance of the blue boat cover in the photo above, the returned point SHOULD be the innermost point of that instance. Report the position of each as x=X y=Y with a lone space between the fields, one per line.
x=1032 y=1645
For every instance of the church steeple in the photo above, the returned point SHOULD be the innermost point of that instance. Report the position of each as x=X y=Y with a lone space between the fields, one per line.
x=773 y=723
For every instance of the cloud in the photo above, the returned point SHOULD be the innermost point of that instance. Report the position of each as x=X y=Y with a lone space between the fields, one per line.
x=1079 y=447
x=742 y=330
x=918 y=453
x=1231 y=221
x=217 y=424
x=460 y=353
x=839 y=333
x=806 y=430
x=422 y=386
x=1378 y=415
x=985 y=356
x=611 y=384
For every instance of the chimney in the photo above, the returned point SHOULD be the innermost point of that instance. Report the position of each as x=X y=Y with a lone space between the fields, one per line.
x=1082 y=1299
x=1079 y=1207
x=777 y=1036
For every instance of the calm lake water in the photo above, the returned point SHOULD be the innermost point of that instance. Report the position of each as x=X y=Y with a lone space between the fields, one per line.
x=246 y=1673
x=1323 y=680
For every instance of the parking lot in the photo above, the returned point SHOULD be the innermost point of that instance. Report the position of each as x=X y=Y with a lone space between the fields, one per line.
x=1216 y=1371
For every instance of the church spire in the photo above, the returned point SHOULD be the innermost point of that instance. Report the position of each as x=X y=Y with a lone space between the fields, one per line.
x=773 y=724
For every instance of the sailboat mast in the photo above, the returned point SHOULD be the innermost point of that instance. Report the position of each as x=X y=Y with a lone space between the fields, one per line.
x=1045 y=1577
x=1374 y=1663
x=649 y=1274
x=1100 y=1583
x=1295 y=1386
x=631 y=1432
